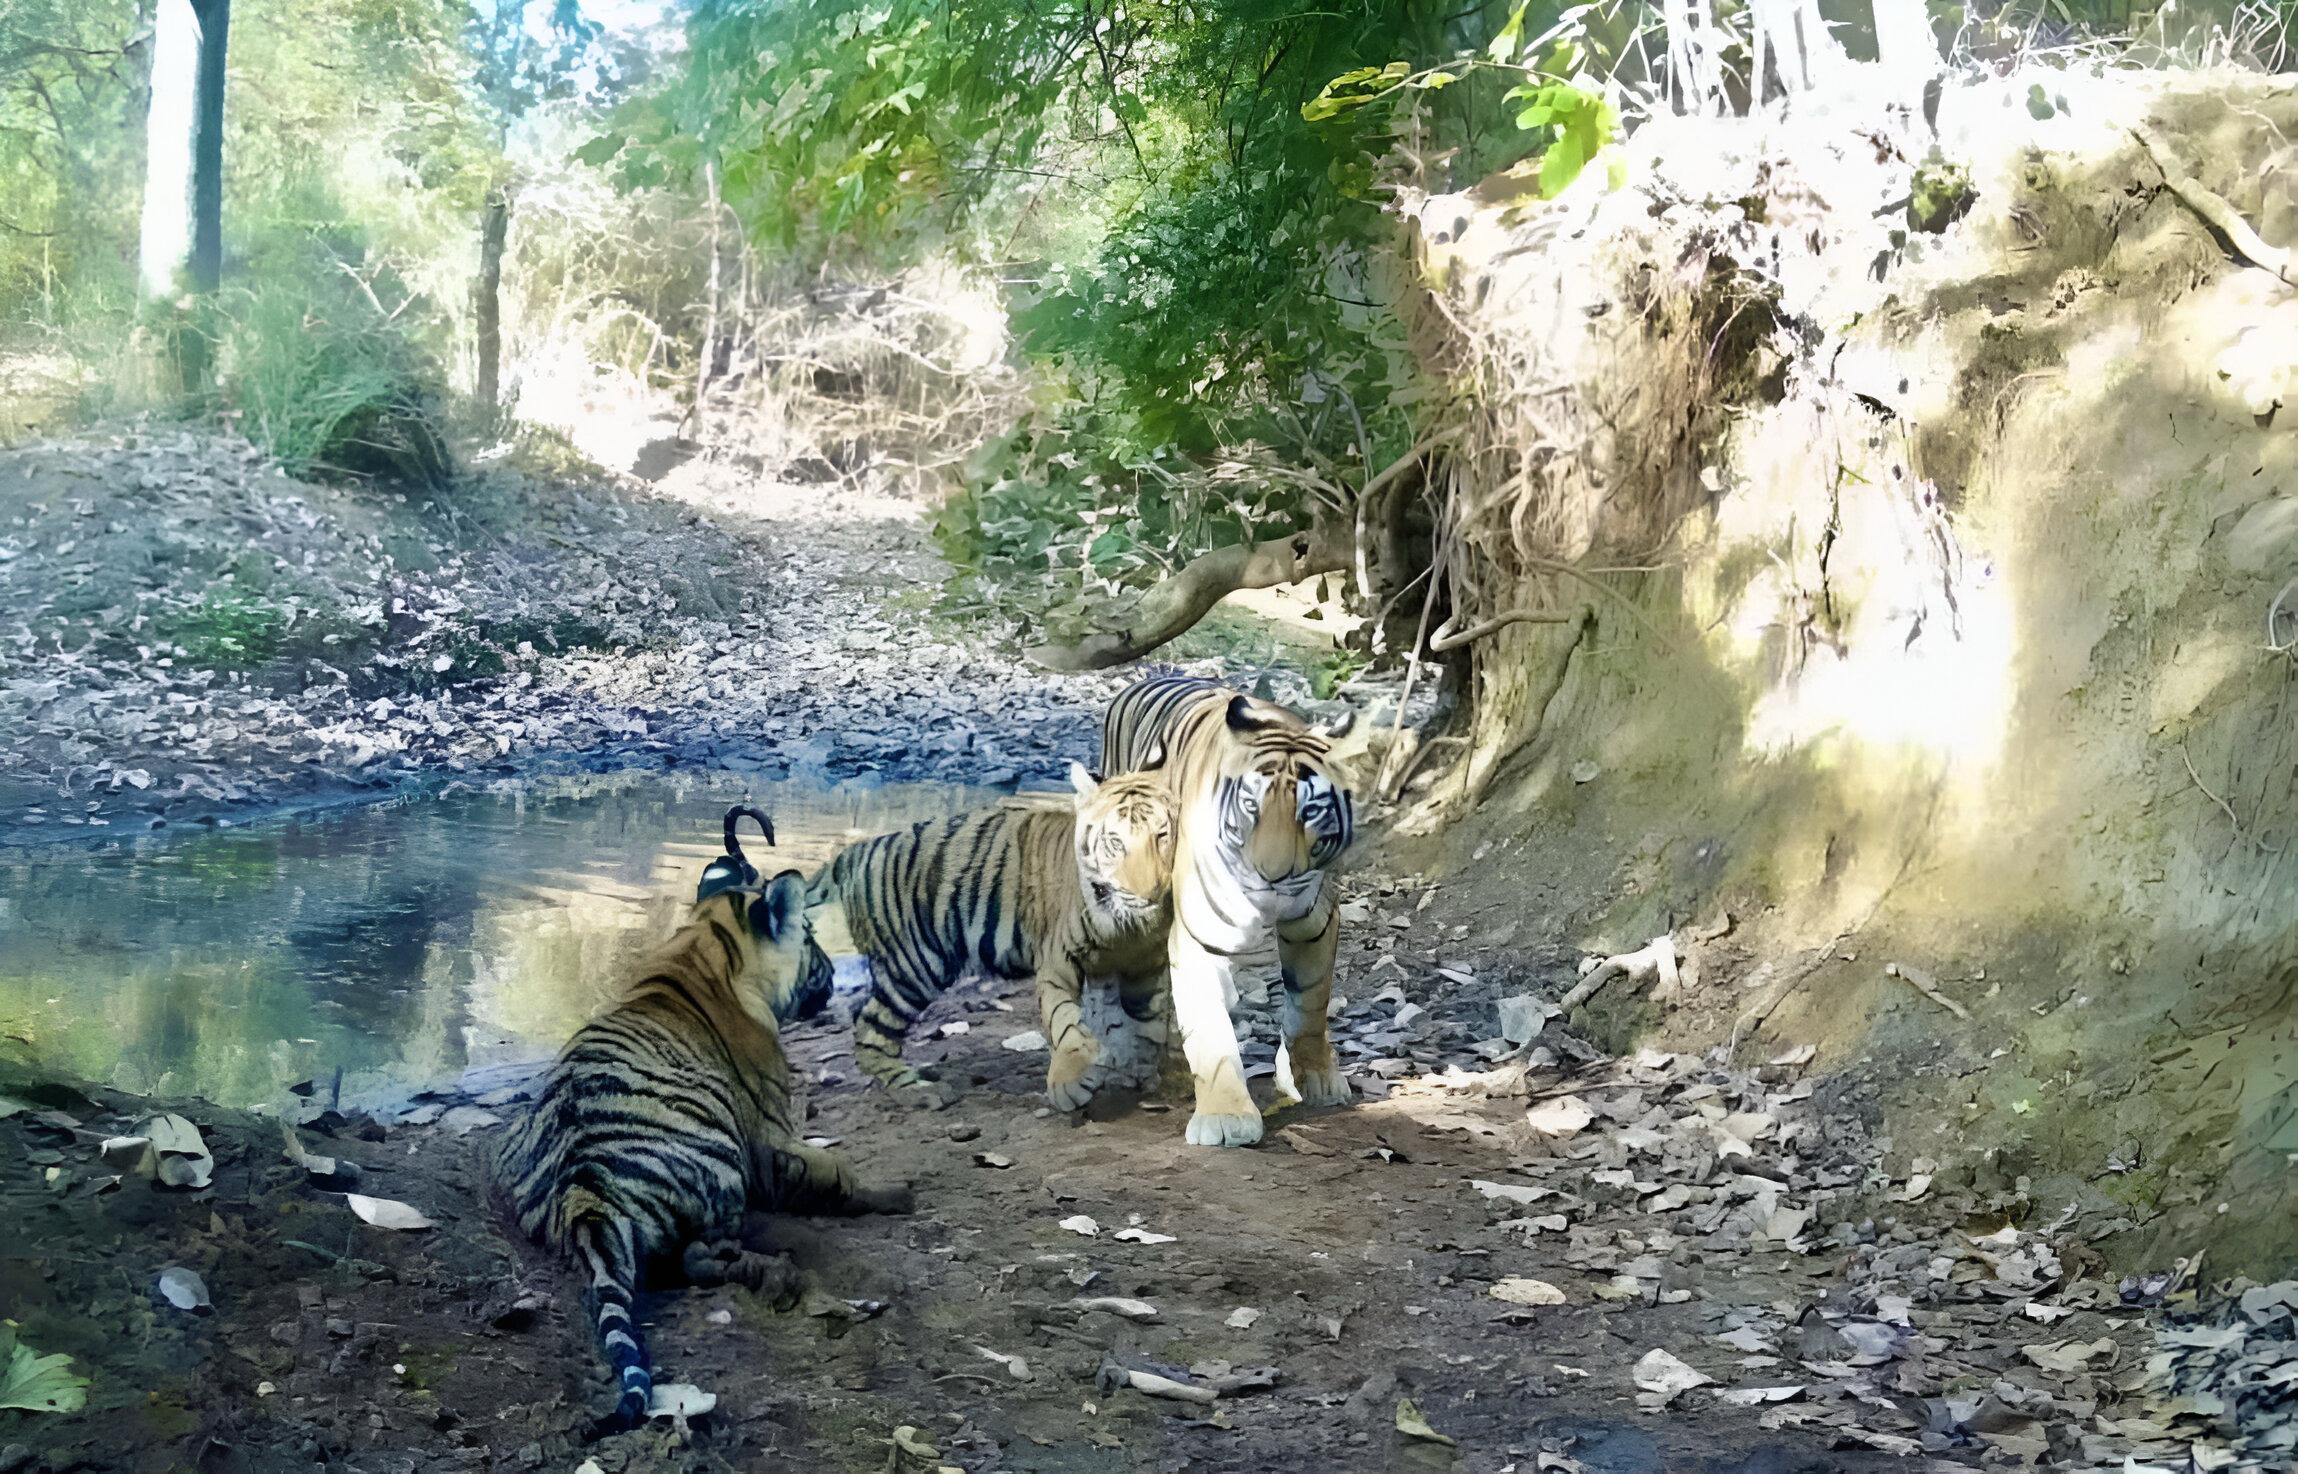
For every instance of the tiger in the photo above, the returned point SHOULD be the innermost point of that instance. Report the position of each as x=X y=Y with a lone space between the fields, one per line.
x=1265 y=811
x=1064 y=892
x=669 y=1115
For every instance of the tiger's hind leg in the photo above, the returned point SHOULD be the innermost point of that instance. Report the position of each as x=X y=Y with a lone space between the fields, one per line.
x=879 y=1030
x=811 y=1179
x=1305 y=952
x=771 y=1277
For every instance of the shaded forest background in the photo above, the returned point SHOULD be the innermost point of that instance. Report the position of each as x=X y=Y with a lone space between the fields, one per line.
x=1125 y=278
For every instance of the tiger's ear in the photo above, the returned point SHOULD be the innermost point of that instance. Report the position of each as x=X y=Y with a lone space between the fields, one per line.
x=1154 y=758
x=1082 y=779
x=1242 y=717
x=723 y=874
x=775 y=914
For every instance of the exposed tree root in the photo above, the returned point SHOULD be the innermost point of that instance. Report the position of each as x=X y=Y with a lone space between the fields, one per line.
x=2247 y=243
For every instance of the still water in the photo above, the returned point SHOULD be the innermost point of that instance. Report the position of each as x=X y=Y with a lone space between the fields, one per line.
x=402 y=944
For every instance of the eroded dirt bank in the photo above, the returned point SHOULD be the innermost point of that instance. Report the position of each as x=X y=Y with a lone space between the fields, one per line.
x=1948 y=646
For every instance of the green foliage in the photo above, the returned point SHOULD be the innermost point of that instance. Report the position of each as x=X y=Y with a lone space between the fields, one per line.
x=1333 y=671
x=34 y=1383
x=227 y=630
x=1573 y=125
x=1078 y=506
x=1941 y=195
x=323 y=380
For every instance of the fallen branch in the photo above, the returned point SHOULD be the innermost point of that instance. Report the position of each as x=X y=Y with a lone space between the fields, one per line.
x=1922 y=982
x=2247 y=243
x=1657 y=959
x=1168 y=608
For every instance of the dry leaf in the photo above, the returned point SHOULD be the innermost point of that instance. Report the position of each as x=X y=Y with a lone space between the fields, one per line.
x=1079 y=1223
x=680 y=1400
x=1014 y=1366
x=2068 y=1358
x=1563 y=1116
x=1141 y=1236
x=184 y=1289
x=1118 y=1305
x=1517 y=1290
x=1664 y=1374
x=1242 y=1318
x=384 y=1213
x=1023 y=1042
x=1411 y=1424
x=1509 y=1192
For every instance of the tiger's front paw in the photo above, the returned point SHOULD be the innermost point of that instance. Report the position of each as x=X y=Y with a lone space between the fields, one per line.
x=1325 y=1087
x=1207 y=1128
x=1073 y=1077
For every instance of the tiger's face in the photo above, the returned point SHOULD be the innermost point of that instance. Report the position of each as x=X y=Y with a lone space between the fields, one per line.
x=1281 y=800
x=789 y=973
x=1126 y=828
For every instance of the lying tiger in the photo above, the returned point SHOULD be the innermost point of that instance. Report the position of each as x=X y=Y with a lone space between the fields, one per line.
x=669 y=1115
x=1064 y=892
x=1264 y=810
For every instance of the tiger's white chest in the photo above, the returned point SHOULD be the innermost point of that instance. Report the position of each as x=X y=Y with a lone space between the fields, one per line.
x=1226 y=906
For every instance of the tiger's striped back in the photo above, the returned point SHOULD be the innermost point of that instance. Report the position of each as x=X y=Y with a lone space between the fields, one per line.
x=644 y=1134
x=1003 y=890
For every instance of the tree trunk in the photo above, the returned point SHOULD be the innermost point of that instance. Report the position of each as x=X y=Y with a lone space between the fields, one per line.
x=168 y=126
x=1905 y=50
x=207 y=148
x=709 y=354
x=487 y=299
x=181 y=245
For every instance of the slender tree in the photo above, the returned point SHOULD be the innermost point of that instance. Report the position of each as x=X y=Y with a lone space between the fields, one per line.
x=181 y=250
x=529 y=50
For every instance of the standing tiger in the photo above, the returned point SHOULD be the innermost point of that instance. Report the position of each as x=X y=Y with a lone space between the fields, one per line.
x=1066 y=892
x=669 y=1115
x=1264 y=812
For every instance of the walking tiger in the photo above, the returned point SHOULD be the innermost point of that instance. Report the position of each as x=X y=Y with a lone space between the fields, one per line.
x=1264 y=811
x=1065 y=892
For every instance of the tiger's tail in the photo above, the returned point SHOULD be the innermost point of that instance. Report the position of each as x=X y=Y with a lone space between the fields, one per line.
x=604 y=1246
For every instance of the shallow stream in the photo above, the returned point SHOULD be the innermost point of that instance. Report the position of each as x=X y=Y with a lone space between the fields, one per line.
x=404 y=945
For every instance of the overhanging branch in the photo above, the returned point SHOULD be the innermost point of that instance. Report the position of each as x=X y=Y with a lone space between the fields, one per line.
x=1170 y=607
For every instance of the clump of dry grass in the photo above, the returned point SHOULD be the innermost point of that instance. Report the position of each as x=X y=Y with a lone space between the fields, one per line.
x=896 y=381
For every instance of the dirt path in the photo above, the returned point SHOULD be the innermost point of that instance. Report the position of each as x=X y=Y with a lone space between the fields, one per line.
x=1502 y=1250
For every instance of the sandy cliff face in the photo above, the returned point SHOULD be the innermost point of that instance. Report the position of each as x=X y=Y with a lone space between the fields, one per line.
x=1957 y=651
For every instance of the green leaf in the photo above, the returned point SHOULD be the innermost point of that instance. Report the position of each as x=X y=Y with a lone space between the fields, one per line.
x=600 y=149
x=1435 y=80
x=1503 y=47
x=38 y=1384
x=1560 y=166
